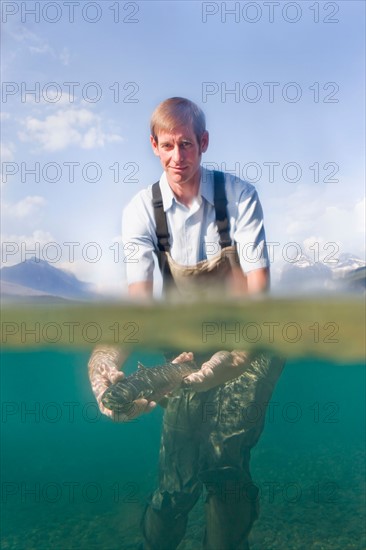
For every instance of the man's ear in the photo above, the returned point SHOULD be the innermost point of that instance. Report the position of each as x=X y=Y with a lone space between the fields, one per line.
x=154 y=146
x=204 y=141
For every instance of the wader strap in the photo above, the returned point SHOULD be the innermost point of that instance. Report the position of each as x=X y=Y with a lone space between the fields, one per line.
x=162 y=232
x=220 y=202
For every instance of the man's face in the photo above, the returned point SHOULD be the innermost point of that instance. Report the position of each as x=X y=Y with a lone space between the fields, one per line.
x=180 y=153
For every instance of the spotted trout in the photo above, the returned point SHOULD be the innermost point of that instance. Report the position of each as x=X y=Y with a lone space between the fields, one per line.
x=150 y=383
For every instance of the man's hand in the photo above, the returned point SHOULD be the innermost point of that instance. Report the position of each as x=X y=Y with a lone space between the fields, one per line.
x=104 y=370
x=222 y=367
x=184 y=356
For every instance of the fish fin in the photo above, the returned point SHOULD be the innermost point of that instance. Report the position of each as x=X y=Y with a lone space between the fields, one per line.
x=140 y=366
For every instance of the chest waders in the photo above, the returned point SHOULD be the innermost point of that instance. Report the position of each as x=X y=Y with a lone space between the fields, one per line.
x=207 y=437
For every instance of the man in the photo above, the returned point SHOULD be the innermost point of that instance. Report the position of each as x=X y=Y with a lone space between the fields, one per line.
x=207 y=230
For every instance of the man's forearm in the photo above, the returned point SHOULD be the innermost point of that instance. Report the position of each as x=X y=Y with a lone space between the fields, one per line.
x=258 y=280
x=141 y=290
x=108 y=355
x=222 y=367
x=229 y=365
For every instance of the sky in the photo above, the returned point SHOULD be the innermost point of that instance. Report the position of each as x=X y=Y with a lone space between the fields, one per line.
x=282 y=85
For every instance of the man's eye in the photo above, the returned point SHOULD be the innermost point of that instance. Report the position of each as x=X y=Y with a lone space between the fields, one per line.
x=186 y=144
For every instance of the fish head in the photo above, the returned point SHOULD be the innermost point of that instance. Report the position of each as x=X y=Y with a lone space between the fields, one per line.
x=118 y=399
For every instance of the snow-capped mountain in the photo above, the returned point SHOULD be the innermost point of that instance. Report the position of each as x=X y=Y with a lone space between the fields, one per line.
x=346 y=263
x=305 y=275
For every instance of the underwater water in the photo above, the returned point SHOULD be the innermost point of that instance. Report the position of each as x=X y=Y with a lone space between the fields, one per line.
x=72 y=479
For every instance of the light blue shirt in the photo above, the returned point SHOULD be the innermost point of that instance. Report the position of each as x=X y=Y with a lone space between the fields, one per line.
x=193 y=230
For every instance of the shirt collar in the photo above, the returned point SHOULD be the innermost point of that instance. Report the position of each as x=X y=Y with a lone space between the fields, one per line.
x=206 y=188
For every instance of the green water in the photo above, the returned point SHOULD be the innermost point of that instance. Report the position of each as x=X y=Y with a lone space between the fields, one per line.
x=73 y=479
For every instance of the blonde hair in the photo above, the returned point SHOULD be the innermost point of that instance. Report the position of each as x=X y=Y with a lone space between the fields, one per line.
x=177 y=111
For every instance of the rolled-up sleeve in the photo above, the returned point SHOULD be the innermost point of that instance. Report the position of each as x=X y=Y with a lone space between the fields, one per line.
x=138 y=244
x=249 y=231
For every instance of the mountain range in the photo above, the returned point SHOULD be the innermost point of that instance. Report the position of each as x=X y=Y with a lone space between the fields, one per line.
x=347 y=274
x=36 y=279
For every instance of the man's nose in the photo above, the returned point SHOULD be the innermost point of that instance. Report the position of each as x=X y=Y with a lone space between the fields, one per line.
x=177 y=154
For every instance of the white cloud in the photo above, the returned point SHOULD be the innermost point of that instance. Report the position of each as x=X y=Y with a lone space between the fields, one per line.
x=22 y=215
x=28 y=206
x=78 y=266
x=40 y=48
x=319 y=222
x=107 y=276
x=318 y=249
x=68 y=127
x=37 y=45
x=103 y=278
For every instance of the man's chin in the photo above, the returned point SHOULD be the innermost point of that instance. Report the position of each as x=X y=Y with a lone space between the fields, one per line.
x=180 y=178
